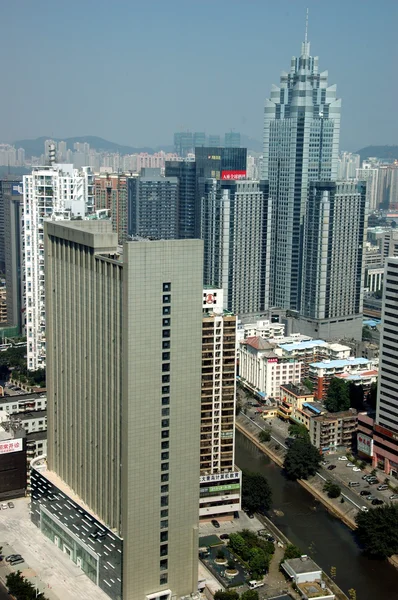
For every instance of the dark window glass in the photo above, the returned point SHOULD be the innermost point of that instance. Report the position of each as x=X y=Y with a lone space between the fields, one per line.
x=165 y=456
x=166 y=322
x=164 y=550
x=166 y=344
x=164 y=512
x=163 y=580
x=165 y=367
x=164 y=477
x=165 y=422
x=164 y=536
x=165 y=412
x=166 y=333
x=165 y=466
x=166 y=299
x=166 y=310
x=164 y=501
x=165 y=401
x=167 y=287
x=165 y=378
x=165 y=389
x=164 y=489
x=166 y=356
x=163 y=565
x=165 y=434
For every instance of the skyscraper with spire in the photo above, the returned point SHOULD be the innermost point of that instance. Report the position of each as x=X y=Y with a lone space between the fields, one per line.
x=301 y=145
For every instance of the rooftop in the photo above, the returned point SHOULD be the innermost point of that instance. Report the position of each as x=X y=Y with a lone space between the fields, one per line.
x=17 y=398
x=34 y=414
x=258 y=343
x=304 y=564
x=297 y=389
x=338 y=364
x=343 y=414
x=358 y=376
x=305 y=345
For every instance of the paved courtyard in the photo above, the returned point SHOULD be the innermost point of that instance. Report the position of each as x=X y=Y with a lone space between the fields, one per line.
x=51 y=571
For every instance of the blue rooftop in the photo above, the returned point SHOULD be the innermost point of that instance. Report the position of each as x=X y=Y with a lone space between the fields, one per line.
x=302 y=345
x=336 y=364
x=371 y=322
x=311 y=407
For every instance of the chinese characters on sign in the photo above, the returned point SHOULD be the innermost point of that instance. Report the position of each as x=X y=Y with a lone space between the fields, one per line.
x=219 y=476
x=233 y=175
x=365 y=444
x=11 y=446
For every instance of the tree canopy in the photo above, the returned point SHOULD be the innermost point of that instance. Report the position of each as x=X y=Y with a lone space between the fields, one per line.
x=265 y=435
x=366 y=333
x=332 y=489
x=302 y=460
x=292 y=551
x=252 y=549
x=377 y=531
x=256 y=493
x=308 y=384
x=299 y=431
x=249 y=595
x=19 y=587
x=338 y=397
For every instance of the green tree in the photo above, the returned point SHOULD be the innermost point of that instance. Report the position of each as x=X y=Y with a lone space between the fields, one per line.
x=356 y=394
x=227 y=595
x=308 y=384
x=19 y=587
x=220 y=555
x=299 y=431
x=258 y=563
x=302 y=460
x=249 y=595
x=238 y=545
x=332 y=489
x=366 y=333
x=292 y=551
x=256 y=493
x=338 y=397
x=265 y=435
x=231 y=565
x=372 y=395
x=377 y=531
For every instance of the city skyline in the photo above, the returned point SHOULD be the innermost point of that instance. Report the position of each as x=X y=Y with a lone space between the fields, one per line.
x=146 y=117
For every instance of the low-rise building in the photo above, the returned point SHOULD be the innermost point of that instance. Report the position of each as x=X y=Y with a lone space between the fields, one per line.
x=331 y=431
x=262 y=371
x=321 y=373
x=310 y=351
x=307 y=576
x=296 y=394
x=13 y=465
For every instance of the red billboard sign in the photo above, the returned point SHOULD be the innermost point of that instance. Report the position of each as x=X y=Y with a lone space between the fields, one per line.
x=233 y=175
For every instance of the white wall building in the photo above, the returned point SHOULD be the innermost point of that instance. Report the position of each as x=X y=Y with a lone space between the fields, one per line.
x=369 y=174
x=263 y=371
x=54 y=192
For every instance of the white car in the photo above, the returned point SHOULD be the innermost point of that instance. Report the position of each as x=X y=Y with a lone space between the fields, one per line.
x=350 y=464
x=364 y=509
x=4 y=506
x=342 y=458
x=356 y=469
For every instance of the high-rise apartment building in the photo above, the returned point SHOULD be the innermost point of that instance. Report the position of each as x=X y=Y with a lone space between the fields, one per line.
x=214 y=141
x=183 y=143
x=232 y=139
x=347 y=165
x=124 y=339
x=185 y=172
x=112 y=193
x=220 y=481
x=153 y=206
x=333 y=260
x=301 y=142
x=58 y=192
x=370 y=175
x=236 y=218
x=385 y=434
x=13 y=243
x=387 y=186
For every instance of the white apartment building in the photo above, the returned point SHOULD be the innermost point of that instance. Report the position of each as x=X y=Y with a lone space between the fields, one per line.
x=369 y=174
x=262 y=328
x=263 y=371
x=53 y=192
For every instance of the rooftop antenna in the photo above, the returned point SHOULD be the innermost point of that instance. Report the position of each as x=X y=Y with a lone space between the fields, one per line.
x=306 y=28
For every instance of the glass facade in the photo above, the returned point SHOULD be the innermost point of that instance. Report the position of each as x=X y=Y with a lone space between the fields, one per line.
x=185 y=171
x=97 y=550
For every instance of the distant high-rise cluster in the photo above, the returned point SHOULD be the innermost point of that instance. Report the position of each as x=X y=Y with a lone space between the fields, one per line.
x=185 y=142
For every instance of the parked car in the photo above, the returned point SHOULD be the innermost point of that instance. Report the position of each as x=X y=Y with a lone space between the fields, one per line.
x=12 y=556
x=331 y=467
x=269 y=538
x=350 y=464
x=356 y=469
x=365 y=493
x=224 y=536
x=250 y=515
x=371 y=497
x=377 y=502
x=325 y=462
x=365 y=477
x=364 y=509
x=215 y=523
x=342 y=458
x=393 y=497
x=16 y=561
x=4 y=506
x=11 y=505
x=383 y=486
x=373 y=481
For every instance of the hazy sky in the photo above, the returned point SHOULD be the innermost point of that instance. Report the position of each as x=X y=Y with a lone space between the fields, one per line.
x=136 y=71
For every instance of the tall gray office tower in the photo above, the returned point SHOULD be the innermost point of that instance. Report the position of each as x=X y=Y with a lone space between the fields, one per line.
x=13 y=243
x=235 y=230
x=333 y=260
x=124 y=357
x=301 y=143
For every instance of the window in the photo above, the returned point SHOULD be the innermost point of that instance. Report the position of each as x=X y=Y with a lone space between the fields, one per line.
x=165 y=445
x=165 y=378
x=165 y=434
x=166 y=344
x=163 y=564
x=164 y=489
x=164 y=477
x=165 y=401
x=164 y=501
x=163 y=579
x=165 y=466
x=166 y=310
x=165 y=367
x=164 y=524
x=167 y=287
x=165 y=389
x=166 y=299
x=164 y=537
x=165 y=422
x=165 y=412
x=166 y=356
x=165 y=456
x=166 y=322
x=164 y=550
x=164 y=512
x=166 y=333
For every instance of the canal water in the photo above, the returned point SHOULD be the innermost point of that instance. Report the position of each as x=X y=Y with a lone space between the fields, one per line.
x=309 y=526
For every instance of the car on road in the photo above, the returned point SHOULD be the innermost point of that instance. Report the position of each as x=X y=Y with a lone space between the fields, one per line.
x=342 y=458
x=393 y=497
x=12 y=557
x=270 y=538
x=365 y=493
x=215 y=523
x=356 y=469
x=325 y=462
x=224 y=536
x=331 y=467
x=364 y=509
x=371 y=497
x=377 y=502
x=11 y=505
x=4 y=506
x=365 y=477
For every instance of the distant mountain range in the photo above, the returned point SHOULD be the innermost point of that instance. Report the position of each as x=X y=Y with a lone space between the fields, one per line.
x=386 y=152
x=36 y=147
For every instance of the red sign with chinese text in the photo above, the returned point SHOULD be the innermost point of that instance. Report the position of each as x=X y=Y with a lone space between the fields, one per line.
x=233 y=175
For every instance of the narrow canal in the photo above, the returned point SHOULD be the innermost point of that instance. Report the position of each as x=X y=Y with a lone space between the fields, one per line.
x=308 y=525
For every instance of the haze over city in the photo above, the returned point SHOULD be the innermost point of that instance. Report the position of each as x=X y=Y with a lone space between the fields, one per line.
x=136 y=72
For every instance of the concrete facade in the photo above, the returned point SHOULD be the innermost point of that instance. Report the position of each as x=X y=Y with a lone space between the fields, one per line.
x=124 y=400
